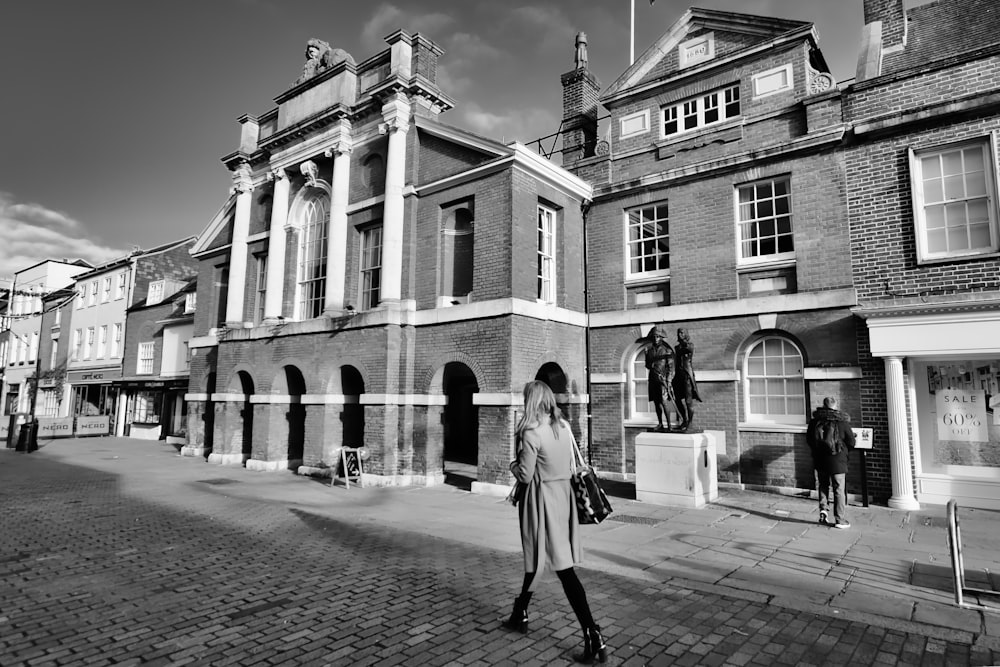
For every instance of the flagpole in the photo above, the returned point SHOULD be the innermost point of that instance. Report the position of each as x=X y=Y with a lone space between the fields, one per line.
x=631 y=34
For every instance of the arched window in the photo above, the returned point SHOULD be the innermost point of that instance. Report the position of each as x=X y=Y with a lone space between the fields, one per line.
x=773 y=384
x=639 y=407
x=315 y=219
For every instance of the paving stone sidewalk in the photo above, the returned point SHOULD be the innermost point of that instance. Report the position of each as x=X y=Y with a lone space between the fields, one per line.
x=117 y=551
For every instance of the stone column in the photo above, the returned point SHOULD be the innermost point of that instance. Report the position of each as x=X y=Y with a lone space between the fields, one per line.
x=396 y=113
x=336 y=249
x=899 y=443
x=243 y=186
x=275 y=289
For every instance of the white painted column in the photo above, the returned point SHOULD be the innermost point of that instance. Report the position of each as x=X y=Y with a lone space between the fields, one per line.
x=274 y=293
x=336 y=249
x=899 y=442
x=243 y=186
x=396 y=113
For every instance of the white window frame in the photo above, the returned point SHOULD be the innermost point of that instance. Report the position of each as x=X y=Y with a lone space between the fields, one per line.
x=106 y=289
x=636 y=248
x=260 y=289
x=93 y=293
x=633 y=124
x=759 y=80
x=102 y=340
x=120 y=285
x=33 y=349
x=546 y=254
x=370 y=263
x=88 y=343
x=154 y=294
x=81 y=296
x=689 y=53
x=314 y=224
x=77 y=343
x=694 y=108
x=116 y=339
x=758 y=219
x=787 y=418
x=144 y=359
x=636 y=379
x=190 y=302
x=54 y=354
x=990 y=196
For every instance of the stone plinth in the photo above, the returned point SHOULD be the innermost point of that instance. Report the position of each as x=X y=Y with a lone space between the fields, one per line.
x=676 y=469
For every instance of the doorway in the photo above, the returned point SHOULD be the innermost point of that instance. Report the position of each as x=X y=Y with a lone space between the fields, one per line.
x=461 y=425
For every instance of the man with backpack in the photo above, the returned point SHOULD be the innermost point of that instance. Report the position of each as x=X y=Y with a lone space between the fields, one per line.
x=831 y=438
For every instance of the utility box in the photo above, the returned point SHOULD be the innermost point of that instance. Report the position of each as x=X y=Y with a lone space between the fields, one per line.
x=676 y=469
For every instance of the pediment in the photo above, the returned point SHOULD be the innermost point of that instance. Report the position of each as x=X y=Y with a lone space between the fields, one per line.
x=698 y=38
x=219 y=231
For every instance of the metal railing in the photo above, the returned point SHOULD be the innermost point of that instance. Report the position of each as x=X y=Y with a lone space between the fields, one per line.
x=958 y=566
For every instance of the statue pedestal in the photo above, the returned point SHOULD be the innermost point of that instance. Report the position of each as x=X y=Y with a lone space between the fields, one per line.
x=676 y=469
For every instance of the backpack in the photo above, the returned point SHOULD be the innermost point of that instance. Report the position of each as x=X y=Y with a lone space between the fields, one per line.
x=829 y=435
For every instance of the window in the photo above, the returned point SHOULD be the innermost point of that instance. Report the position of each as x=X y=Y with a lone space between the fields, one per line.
x=120 y=286
x=636 y=123
x=772 y=81
x=700 y=111
x=33 y=350
x=639 y=406
x=77 y=342
x=49 y=403
x=88 y=343
x=93 y=294
x=116 y=341
x=3 y=352
x=773 y=382
x=58 y=320
x=954 y=201
x=81 y=296
x=261 y=288
x=220 y=293
x=371 y=267
x=546 y=255
x=146 y=408
x=765 y=221
x=144 y=366
x=102 y=341
x=54 y=355
x=312 y=257
x=106 y=290
x=155 y=294
x=648 y=241
x=190 y=302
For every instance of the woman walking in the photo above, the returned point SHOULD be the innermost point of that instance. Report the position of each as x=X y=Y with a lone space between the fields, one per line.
x=550 y=531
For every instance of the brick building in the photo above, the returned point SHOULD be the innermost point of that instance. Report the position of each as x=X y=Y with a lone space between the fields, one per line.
x=380 y=278
x=923 y=204
x=719 y=207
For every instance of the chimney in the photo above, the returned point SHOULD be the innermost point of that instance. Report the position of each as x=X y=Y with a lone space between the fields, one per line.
x=581 y=90
x=892 y=15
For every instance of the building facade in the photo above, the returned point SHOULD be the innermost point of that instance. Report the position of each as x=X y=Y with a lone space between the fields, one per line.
x=925 y=234
x=380 y=278
x=719 y=208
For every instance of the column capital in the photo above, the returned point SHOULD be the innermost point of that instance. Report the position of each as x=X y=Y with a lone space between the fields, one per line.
x=242 y=181
x=342 y=147
x=396 y=113
x=277 y=174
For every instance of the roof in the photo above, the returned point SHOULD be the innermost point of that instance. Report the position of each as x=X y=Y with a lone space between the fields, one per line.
x=944 y=29
x=762 y=30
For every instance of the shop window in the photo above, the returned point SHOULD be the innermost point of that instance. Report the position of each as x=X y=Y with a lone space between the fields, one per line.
x=773 y=382
x=146 y=408
x=954 y=201
x=764 y=214
x=648 y=242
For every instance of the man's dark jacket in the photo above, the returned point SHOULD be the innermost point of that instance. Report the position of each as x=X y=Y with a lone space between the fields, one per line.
x=823 y=459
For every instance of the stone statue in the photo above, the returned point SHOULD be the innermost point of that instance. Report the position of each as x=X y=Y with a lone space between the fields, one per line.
x=319 y=58
x=660 y=363
x=581 y=50
x=685 y=385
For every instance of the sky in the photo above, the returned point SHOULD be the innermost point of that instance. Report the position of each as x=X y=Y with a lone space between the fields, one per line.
x=115 y=113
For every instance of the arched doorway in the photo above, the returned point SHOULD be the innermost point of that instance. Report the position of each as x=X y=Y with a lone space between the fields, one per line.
x=295 y=386
x=353 y=417
x=461 y=421
x=552 y=374
x=246 y=413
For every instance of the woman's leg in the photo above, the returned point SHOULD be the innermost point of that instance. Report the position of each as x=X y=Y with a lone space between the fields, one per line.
x=577 y=596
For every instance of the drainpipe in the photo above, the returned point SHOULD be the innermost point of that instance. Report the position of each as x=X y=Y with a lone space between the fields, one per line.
x=584 y=210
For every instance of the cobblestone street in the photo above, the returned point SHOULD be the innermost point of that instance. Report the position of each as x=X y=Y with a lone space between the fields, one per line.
x=160 y=562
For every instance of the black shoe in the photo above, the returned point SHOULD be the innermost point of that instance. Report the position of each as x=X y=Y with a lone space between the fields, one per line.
x=594 y=646
x=518 y=620
x=822 y=517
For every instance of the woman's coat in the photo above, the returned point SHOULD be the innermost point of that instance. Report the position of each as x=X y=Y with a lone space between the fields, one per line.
x=550 y=531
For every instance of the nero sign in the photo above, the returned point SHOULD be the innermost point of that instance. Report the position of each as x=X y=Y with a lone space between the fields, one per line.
x=961 y=415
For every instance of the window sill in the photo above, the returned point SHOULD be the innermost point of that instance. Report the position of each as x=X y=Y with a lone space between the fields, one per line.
x=924 y=261
x=765 y=265
x=646 y=280
x=762 y=427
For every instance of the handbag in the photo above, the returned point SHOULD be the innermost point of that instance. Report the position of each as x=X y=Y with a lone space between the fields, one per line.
x=592 y=504
x=516 y=494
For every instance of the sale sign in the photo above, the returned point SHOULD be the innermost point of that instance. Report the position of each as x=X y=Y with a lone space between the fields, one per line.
x=961 y=415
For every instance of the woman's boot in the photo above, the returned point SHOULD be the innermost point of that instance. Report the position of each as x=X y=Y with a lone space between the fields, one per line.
x=518 y=620
x=594 y=646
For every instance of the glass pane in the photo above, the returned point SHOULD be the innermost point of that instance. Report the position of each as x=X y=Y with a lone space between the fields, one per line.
x=766 y=228
x=785 y=244
x=746 y=194
x=930 y=167
x=954 y=187
x=765 y=209
x=781 y=206
x=764 y=190
x=975 y=184
x=746 y=211
x=775 y=387
x=776 y=405
x=951 y=163
x=635 y=266
x=755 y=366
x=795 y=405
x=933 y=190
x=977 y=210
x=954 y=214
x=768 y=246
x=957 y=238
x=711 y=115
x=784 y=225
x=780 y=187
x=934 y=216
x=979 y=235
x=758 y=405
x=936 y=241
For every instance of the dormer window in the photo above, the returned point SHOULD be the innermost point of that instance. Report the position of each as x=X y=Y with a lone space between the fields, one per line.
x=155 y=294
x=190 y=300
x=701 y=111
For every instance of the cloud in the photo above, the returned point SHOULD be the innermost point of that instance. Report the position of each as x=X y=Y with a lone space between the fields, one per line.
x=507 y=125
x=388 y=18
x=467 y=56
x=33 y=233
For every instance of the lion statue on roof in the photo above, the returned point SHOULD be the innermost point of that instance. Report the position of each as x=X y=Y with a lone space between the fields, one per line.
x=320 y=57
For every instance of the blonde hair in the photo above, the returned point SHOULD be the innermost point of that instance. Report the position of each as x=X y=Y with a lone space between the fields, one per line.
x=539 y=407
